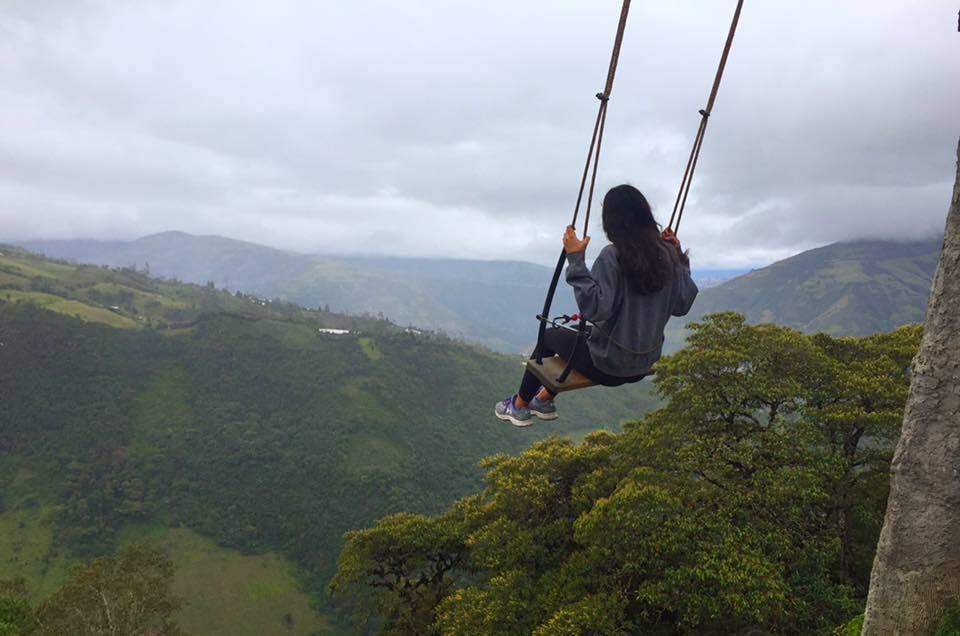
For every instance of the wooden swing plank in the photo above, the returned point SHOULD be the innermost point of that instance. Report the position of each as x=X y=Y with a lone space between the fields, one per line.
x=550 y=370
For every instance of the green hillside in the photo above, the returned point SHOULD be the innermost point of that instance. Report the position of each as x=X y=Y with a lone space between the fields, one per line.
x=489 y=302
x=133 y=403
x=850 y=289
x=855 y=288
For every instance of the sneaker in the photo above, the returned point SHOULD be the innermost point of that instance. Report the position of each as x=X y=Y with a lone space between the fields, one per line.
x=544 y=409
x=510 y=412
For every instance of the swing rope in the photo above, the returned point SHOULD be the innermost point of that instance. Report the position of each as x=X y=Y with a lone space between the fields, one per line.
x=687 y=180
x=593 y=154
x=593 y=160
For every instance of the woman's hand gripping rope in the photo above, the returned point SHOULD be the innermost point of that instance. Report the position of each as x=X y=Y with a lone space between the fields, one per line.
x=572 y=244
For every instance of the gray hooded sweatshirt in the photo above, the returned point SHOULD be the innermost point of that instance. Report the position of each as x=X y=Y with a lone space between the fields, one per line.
x=627 y=337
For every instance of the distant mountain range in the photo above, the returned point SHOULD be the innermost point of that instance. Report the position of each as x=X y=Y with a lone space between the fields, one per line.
x=850 y=288
x=487 y=302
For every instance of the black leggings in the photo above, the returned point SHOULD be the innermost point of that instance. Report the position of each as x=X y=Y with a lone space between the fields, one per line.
x=560 y=342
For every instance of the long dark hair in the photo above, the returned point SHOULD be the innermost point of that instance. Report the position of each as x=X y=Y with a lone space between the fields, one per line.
x=629 y=224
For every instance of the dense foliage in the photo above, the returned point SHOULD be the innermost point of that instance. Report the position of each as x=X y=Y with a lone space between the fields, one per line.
x=233 y=416
x=752 y=499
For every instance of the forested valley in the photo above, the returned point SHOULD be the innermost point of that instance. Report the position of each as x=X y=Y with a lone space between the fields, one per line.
x=241 y=435
x=151 y=428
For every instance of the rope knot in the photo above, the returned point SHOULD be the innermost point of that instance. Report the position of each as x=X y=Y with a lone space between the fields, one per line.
x=603 y=97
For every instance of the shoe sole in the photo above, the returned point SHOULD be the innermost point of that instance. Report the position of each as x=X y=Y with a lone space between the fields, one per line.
x=545 y=416
x=513 y=420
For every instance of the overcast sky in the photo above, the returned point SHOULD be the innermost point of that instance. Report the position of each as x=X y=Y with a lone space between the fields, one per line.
x=459 y=128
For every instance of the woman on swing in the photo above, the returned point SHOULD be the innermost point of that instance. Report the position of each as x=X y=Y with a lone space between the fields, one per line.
x=636 y=284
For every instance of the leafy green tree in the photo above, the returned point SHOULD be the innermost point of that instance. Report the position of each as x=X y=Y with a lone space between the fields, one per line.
x=746 y=501
x=124 y=595
x=407 y=557
x=821 y=412
x=857 y=411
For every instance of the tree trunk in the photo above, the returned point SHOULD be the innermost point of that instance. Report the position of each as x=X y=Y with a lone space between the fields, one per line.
x=917 y=567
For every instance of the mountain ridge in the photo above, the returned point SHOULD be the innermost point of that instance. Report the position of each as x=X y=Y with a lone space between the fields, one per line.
x=846 y=288
x=482 y=307
x=493 y=302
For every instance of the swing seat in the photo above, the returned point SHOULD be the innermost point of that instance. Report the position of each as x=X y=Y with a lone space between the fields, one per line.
x=551 y=369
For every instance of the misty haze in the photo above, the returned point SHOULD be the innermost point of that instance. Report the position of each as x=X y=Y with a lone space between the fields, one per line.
x=553 y=318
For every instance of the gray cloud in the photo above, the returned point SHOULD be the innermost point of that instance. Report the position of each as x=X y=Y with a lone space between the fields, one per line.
x=460 y=128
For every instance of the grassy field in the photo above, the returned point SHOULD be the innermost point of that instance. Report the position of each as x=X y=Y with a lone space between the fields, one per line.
x=13 y=280
x=36 y=267
x=369 y=348
x=232 y=594
x=27 y=512
x=75 y=308
x=119 y=298
x=142 y=300
x=27 y=550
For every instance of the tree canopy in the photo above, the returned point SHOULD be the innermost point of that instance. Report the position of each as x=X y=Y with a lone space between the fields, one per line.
x=751 y=499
